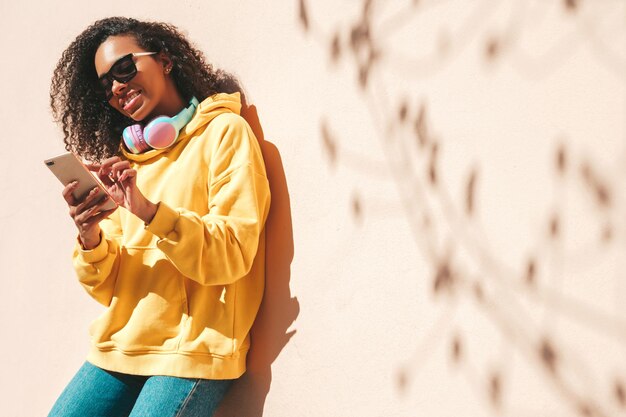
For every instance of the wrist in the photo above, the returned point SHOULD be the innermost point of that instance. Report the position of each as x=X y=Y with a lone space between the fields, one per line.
x=90 y=241
x=148 y=211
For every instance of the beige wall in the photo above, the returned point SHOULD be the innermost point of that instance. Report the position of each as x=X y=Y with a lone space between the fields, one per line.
x=407 y=208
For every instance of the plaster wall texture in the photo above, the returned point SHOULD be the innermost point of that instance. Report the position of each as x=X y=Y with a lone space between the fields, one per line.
x=448 y=226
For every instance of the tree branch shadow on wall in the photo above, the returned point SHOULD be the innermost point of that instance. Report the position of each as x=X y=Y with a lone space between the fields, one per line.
x=530 y=304
x=278 y=310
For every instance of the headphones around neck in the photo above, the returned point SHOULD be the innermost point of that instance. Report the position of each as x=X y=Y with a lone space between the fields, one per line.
x=160 y=133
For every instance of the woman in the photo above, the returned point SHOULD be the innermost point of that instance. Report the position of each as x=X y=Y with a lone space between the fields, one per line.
x=180 y=263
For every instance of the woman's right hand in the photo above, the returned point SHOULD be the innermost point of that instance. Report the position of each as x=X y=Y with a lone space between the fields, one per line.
x=87 y=214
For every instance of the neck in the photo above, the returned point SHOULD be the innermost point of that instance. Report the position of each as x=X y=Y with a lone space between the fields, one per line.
x=172 y=105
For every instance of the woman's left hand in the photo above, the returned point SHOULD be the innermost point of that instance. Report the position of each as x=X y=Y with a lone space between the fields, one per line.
x=120 y=180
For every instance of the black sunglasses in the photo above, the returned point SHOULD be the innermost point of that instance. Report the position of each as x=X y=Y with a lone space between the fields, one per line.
x=122 y=71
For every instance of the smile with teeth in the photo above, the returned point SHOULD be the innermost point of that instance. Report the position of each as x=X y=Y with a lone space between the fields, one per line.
x=129 y=98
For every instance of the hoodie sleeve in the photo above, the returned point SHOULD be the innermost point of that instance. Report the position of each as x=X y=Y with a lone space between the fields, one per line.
x=97 y=268
x=219 y=248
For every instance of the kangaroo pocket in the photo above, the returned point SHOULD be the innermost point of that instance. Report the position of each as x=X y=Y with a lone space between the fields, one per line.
x=210 y=326
x=148 y=306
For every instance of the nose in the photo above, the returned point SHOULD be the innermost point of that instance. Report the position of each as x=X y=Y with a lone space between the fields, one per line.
x=117 y=88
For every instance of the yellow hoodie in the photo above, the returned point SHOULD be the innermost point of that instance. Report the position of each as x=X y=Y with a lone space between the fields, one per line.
x=182 y=292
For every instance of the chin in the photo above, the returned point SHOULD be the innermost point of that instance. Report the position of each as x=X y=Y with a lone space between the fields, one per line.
x=141 y=114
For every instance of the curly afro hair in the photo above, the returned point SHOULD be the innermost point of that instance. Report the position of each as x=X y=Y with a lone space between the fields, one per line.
x=91 y=127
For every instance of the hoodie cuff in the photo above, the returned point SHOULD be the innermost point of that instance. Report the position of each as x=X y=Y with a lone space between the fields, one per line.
x=164 y=221
x=93 y=255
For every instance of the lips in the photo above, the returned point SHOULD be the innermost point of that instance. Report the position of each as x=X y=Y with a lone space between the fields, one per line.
x=130 y=101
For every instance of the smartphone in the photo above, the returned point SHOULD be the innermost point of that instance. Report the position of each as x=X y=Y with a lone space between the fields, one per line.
x=68 y=168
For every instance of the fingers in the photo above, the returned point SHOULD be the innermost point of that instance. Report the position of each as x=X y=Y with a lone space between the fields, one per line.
x=89 y=200
x=127 y=174
x=97 y=218
x=86 y=215
x=102 y=215
x=122 y=171
x=103 y=170
x=107 y=165
x=116 y=170
x=67 y=193
x=92 y=167
x=87 y=211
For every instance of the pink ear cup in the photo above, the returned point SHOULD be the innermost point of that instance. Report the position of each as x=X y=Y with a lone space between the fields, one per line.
x=134 y=139
x=160 y=133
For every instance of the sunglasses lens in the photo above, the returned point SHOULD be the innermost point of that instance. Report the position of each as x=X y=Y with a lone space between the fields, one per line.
x=106 y=86
x=122 y=71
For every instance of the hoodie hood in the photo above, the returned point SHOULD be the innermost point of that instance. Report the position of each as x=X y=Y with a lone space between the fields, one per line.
x=210 y=108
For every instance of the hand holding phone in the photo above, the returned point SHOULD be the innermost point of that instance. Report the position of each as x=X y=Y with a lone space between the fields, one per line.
x=88 y=200
x=68 y=168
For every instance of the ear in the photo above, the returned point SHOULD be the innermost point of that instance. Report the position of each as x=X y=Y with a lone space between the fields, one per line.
x=166 y=61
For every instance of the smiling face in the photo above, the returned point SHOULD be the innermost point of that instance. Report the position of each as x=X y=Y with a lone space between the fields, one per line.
x=151 y=92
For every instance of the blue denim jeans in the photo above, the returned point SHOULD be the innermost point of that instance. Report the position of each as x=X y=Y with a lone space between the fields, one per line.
x=95 y=392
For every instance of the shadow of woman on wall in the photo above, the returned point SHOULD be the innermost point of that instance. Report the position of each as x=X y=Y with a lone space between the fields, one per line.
x=278 y=310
